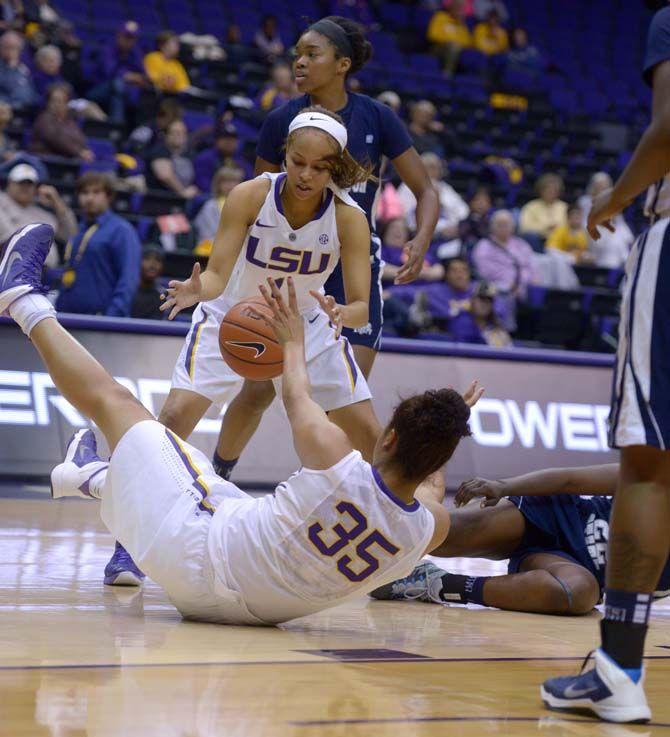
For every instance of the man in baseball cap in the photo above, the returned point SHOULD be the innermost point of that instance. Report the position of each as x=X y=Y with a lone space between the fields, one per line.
x=25 y=201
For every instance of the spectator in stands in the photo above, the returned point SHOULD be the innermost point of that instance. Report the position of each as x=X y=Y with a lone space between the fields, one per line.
x=476 y=225
x=611 y=250
x=449 y=34
x=24 y=201
x=56 y=132
x=48 y=61
x=540 y=216
x=122 y=70
x=207 y=220
x=7 y=145
x=394 y=236
x=102 y=261
x=223 y=153
x=147 y=300
x=488 y=324
x=144 y=137
x=16 y=86
x=452 y=206
x=12 y=14
x=169 y=166
x=482 y=8
x=425 y=129
x=163 y=67
x=523 y=56
x=390 y=99
x=489 y=36
x=504 y=259
x=450 y=302
x=280 y=89
x=571 y=238
x=267 y=39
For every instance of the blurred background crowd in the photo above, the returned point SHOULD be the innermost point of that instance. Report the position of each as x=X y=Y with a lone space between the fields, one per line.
x=128 y=142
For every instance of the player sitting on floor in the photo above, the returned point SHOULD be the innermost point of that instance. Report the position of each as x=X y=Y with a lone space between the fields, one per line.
x=555 y=538
x=333 y=531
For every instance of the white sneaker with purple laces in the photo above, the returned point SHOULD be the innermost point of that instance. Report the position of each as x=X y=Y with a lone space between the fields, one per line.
x=73 y=476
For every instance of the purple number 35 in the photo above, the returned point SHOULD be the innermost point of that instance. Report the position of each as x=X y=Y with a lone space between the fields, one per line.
x=346 y=536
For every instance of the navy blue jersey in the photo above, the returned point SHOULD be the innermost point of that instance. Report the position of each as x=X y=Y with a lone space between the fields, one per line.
x=574 y=527
x=374 y=131
x=658 y=43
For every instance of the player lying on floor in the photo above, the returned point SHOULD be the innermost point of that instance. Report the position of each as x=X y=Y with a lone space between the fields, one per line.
x=555 y=539
x=333 y=531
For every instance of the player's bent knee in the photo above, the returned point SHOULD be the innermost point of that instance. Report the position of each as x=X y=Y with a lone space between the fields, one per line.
x=585 y=595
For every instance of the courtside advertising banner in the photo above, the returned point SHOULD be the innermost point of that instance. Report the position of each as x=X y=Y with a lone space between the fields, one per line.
x=549 y=409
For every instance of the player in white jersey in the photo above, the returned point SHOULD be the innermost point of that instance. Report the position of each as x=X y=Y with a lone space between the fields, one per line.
x=335 y=530
x=299 y=223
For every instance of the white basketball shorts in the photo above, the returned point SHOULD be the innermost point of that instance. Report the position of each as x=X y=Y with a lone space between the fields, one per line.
x=335 y=378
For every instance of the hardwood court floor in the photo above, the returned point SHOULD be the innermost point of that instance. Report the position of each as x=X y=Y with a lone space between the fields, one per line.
x=78 y=658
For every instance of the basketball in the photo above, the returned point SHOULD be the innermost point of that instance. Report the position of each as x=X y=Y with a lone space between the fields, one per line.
x=247 y=344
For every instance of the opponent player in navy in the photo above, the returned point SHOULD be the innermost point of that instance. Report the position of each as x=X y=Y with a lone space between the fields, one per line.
x=554 y=536
x=639 y=420
x=326 y=53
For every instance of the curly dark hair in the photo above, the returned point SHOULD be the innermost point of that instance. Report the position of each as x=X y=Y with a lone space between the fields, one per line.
x=429 y=427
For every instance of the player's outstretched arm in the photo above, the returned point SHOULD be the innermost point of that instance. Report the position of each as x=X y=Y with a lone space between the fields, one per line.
x=650 y=160
x=318 y=442
x=589 y=480
x=239 y=212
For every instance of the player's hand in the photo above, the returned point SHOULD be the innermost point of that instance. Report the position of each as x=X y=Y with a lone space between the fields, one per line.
x=182 y=294
x=603 y=209
x=491 y=491
x=331 y=308
x=415 y=251
x=286 y=320
x=473 y=393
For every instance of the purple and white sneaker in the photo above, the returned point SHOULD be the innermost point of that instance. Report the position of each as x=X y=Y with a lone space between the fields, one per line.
x=82 y=463
x=21 y=261
x=121 y=569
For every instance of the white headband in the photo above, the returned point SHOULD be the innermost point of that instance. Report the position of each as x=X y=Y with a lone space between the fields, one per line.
x=322 y=122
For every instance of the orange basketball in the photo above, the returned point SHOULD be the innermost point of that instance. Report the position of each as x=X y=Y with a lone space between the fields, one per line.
x=247 y=344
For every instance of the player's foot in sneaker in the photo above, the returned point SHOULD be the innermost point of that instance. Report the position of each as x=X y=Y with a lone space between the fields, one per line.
x=121 y=569
x=21 y=261
x=423 y=584
x=81 y=465
x=607 y=691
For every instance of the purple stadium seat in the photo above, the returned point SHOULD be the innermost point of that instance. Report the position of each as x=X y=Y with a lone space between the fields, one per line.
x=103 y=149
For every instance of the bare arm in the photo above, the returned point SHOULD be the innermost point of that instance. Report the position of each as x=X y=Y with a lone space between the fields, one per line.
x=318 y=442
x=442 y=523
x=590 y=480
x=164 y=170
x=650 y=160
x=354 y=234
x=239 y=211
x=413 y=172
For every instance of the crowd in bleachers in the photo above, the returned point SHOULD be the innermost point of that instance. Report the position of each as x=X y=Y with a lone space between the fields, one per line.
x=129 y=142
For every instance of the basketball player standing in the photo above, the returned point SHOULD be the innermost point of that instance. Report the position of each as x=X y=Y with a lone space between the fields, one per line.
x=639 y=420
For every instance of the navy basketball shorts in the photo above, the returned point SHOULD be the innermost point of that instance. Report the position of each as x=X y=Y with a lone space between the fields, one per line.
x=369 y=335
x=640 y=413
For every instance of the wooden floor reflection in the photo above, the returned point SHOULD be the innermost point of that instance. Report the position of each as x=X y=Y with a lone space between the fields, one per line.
x=78 y=658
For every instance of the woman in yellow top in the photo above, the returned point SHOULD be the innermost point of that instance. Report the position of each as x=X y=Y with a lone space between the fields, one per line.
x=449 y=34
x=540 y=216
x=490 y=37
x=162 y=66
x=571 y=237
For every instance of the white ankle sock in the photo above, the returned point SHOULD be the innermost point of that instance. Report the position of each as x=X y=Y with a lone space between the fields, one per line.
x=29 y=310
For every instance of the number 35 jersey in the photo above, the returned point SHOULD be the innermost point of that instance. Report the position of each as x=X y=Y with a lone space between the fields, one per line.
x=324 y=537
